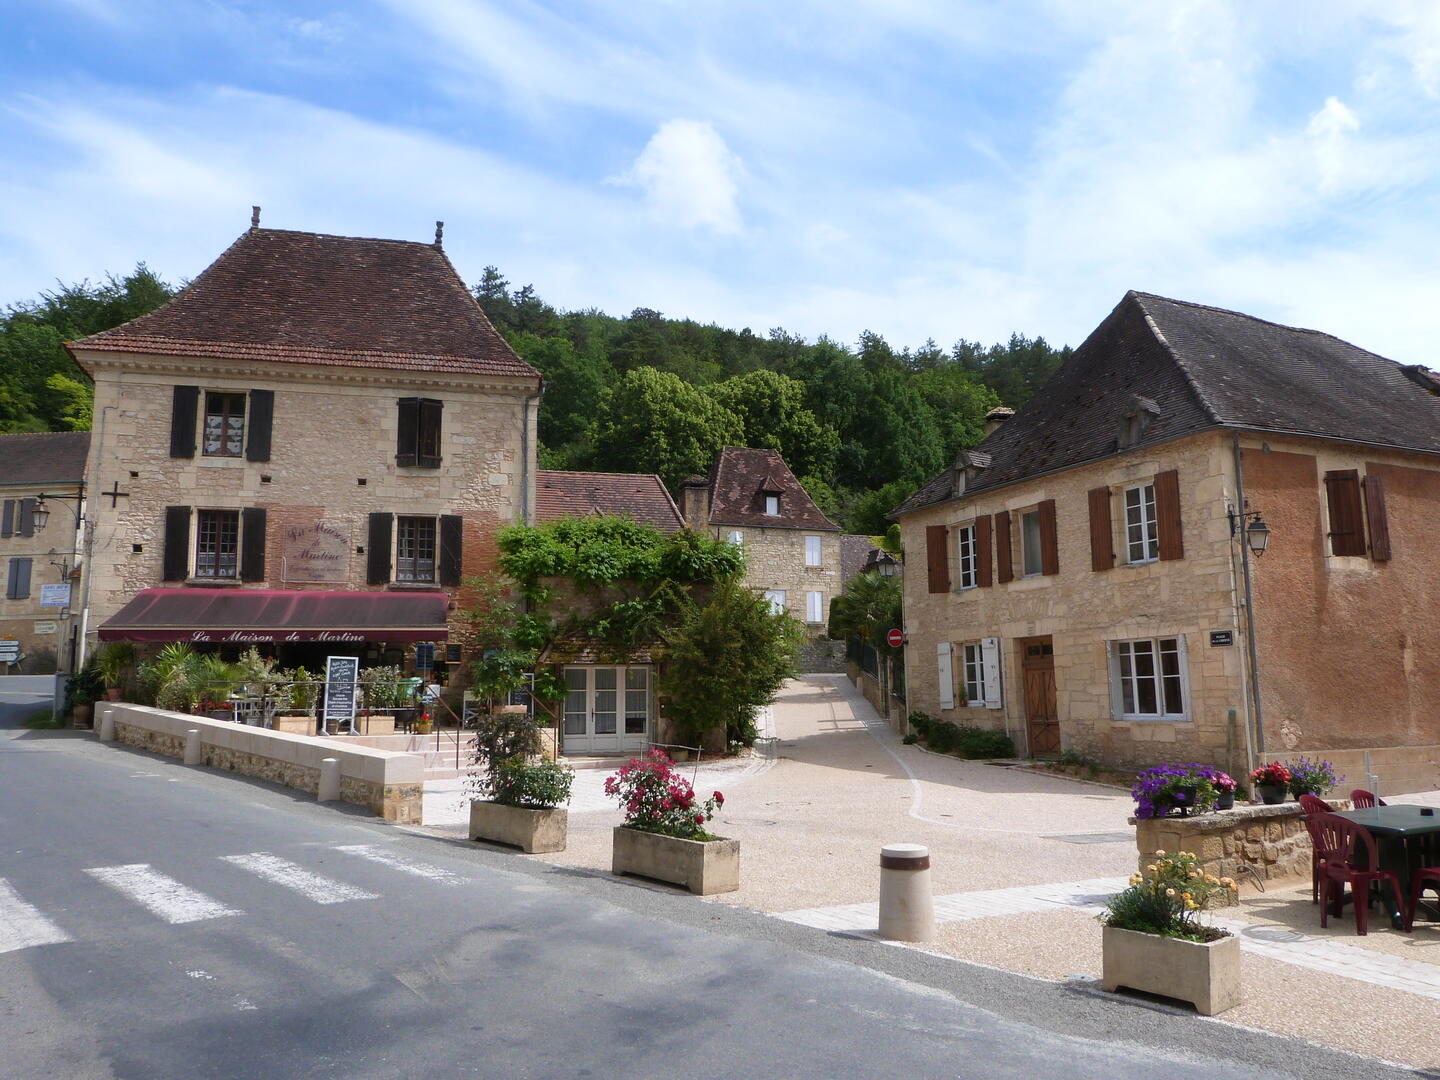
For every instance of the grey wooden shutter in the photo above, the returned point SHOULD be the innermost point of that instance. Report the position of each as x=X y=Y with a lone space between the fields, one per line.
x=177 y=543
x=451 y=538
x=1102 y=535
x=377 y=549
x=1377 y=516
x=262 y=413
x=252 y=544
x=7 y=518
x=945 y=674
x=407 y=440
x=17 y=585
x=1167 y=515
x=183 y=410
x=427 y=442
x=26 y=525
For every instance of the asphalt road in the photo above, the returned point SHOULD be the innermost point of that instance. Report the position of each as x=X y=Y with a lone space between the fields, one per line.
x=161 y=921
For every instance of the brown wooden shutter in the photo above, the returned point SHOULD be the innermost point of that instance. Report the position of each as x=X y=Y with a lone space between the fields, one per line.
x=377 y=549
x=252 y=544
x=937 y=557
x=1004 y=566
x=177 y=543
x=1379 y=520
x=184 y=406
x=1049 y=543
x=262 y=412
x=26 y=525
x=427 y=440
x=1167 y=515
x=1347 y=527
x=982 y=550
x=1102 y=534
x=451 y=537
x=407 y=440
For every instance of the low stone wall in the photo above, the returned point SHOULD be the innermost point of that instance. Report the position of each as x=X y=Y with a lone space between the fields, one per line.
x=1401 y=769
x=1270 y=839
x=386 y=783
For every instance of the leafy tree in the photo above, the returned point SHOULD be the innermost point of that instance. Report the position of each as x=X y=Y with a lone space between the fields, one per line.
x=869 y=513
x=653 y=422
x=772 y=410
x=573 y=383
x=70 y=401
x=869 y=606
x=493 y=294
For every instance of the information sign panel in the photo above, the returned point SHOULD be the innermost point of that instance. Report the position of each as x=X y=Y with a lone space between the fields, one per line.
x=54 y=595
x=342 y=681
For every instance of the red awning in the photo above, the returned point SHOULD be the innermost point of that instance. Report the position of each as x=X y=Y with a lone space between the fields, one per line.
x=263 y=616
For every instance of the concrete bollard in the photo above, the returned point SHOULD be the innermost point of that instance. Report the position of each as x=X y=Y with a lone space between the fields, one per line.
x=907 y=908
x=192 y=746
x=329 y=780
x=107 y=725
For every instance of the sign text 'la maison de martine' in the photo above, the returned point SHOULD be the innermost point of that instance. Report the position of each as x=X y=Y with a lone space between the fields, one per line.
x=269 y=637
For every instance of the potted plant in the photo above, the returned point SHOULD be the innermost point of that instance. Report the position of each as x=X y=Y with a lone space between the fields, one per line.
x=299 y=692
x=1311 y=777
x=664 y=835
x=1166 y=789
x=1154 y=941
x=1271 y=782
x=515 y=800
x=113 y=663
x=1225 y=786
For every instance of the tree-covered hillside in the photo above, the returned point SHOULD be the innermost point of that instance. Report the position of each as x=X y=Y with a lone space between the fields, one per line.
x=860 y=426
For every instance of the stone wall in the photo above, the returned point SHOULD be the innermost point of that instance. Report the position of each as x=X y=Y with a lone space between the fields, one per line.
x=386 y=783
x=775 y=559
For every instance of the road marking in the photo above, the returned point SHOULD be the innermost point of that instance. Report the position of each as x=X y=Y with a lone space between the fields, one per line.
x=160 y=893
x=280 y=871
x=434 y=873
x=21 y=925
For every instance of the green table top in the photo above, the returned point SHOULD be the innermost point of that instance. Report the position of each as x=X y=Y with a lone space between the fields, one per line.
x=1395 y=820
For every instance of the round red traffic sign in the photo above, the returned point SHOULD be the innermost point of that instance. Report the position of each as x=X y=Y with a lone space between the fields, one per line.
x=895 y=637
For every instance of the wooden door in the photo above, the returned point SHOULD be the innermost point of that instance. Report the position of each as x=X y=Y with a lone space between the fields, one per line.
x=1037 y=666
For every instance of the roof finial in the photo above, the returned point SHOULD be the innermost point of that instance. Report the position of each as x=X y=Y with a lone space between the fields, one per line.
x=254 y=217
x=439 y=234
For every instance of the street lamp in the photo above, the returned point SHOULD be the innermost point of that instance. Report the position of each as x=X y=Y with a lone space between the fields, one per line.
x=40 y=515
x=1257 y=533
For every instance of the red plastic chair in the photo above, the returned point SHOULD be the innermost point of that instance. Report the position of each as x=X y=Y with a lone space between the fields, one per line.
x=1347 y=856
x=1313 y=804
x=1364 y=800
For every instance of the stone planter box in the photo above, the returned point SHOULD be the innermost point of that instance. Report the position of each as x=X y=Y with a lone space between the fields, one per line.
x=1205 y=974
x=295 y=723
x=377 y=723
x=530 y=830
x=703 y=867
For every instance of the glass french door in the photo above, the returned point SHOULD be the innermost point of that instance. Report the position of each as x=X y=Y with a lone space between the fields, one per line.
x=607 y=709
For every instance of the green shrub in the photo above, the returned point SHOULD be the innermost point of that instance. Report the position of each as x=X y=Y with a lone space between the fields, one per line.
x=537 y=786
x=943 y=736
x=985 y=743
x=910 y=739
x=922 y=722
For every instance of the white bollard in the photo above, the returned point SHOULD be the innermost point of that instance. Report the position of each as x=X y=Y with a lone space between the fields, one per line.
x=107 y=725
x=329 y=780
x=907 y=908
x=192 y=746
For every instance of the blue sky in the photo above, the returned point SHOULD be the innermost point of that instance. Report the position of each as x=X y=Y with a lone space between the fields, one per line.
x=921 y=169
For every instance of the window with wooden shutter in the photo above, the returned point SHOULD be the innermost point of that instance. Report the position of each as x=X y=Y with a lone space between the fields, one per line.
x=983 y=547
x=184 y=407
x=377 y=549
x=1102 y=533
x=252 y=544
x=1004 y=565
x=428 y=437
x=945 y=673
x=1347 y=527
x=262 y=413
x=7 y=518
x=407 y=439
x=1167 y=515
x=451 y=538
x=1376 y=516
x=937 y=557
x=1049 y=542
x=177 y=543
x=17 y=583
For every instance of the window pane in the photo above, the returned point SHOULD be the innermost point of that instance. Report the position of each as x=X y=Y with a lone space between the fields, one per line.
x=1030 y=541
x=966 y=540
x=224 y=425
x=415 y=549
x=217 y=543
x=637 y=678
x=815 y=607
x=812 y=551
x=1170 y=676
x=777 y=599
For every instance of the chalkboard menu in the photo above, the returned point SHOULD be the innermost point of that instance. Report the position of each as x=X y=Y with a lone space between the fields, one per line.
x=342 y=677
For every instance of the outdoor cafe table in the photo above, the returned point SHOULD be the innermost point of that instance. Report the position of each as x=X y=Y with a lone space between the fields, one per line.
x=1393 y=827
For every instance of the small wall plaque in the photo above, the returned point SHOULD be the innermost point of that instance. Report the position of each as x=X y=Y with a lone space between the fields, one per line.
x=1221 y=638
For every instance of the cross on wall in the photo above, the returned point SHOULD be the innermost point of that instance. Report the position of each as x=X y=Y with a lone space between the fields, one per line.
x=115 y=494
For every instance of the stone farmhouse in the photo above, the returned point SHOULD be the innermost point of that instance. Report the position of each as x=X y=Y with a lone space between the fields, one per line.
x=310 y=447
x=1090 y=577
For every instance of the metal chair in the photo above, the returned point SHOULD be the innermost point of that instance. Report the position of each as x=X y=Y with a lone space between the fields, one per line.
x=1348 y=857
x=1313 y=804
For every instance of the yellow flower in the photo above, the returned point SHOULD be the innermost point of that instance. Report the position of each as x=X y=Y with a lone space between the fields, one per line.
x=1169 y=892
x=1151 y=868
x=1160 y=854
x=1229 y=883
x=1195 y=874
x=1136 y=879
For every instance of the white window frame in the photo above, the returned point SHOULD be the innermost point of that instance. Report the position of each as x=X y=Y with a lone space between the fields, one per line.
x=1127 y=683
x=814 y=553
x=968 y=576
x=735 y=537
x=1026 y=548
x=195 y=574
x=814 y=606
x=776 y=597
x=973 y=671
x=772 y=505
x=1142 y=525
x=414 y=578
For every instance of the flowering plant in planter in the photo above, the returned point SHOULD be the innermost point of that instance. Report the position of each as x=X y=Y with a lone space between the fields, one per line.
x=1272 y=775
x=1224 y=782
x=1168 y=787
x=658 y=799
x=1312 y=777
x=1167 y=899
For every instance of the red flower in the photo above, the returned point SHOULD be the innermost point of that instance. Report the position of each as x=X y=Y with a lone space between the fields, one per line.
x=720 y=798
x=699 y=819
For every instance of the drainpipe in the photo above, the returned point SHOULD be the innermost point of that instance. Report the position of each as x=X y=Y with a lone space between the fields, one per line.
x=525 y=453
x=1254 y=658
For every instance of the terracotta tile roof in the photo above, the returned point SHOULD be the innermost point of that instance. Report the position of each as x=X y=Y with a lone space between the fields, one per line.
x=309 y=298
x=737 y=480
x=641 y=497
x=1193 y=368
x=853 y=550
x=44 y=457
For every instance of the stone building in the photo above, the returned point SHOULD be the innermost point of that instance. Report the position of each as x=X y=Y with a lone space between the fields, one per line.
x=309 y=448
x=1080 y=579
x=40 y=555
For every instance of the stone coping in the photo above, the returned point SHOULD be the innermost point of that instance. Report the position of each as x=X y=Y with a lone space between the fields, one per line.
x=1220 y=820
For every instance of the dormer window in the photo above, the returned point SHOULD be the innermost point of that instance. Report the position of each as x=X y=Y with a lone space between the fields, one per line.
x=772 y=505
x=1136 y=419
x=969 y=464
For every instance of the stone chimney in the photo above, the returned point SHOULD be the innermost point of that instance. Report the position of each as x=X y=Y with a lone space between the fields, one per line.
x=695 y=502
x=995 y=417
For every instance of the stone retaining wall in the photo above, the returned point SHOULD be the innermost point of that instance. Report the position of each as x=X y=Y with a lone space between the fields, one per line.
x=388 y=784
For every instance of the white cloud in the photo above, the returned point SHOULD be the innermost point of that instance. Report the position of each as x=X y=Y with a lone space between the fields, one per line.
x=1328 y=129
x=689 y=177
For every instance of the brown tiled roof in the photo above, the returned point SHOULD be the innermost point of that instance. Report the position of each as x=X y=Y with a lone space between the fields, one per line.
x=853 y=549
x=1201 y=368
x=309 y=298
x=641 y=497
x=44 y=457
x=737 y=480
